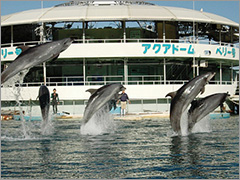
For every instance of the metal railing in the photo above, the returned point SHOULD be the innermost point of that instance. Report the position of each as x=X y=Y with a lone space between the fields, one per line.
x=104 y=81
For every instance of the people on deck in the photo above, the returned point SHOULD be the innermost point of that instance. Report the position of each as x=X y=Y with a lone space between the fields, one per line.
x=55 y=101
x=124 y=99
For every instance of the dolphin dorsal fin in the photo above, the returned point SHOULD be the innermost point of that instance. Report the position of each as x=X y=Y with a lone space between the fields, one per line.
x=172 y=94
x=92 y=91
x=23 y=48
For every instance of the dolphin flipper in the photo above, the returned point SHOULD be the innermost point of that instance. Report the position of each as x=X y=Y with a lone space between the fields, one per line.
x=91 y=91
x=172 y=94
x=23 y=48
x=202 y=90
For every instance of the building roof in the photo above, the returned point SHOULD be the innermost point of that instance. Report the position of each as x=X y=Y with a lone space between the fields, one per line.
x=112 y=10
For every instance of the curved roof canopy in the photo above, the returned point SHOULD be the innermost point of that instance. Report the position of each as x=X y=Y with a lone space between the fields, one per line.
x=112 y=10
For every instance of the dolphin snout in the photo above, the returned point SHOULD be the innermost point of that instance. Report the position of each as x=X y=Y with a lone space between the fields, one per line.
x=66 y=43
x=122 y=88
x=210 y=76
x=69 y=41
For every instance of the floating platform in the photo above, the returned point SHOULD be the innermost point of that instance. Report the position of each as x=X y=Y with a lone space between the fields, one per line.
x=219 y=115
x=27 y=118
x=141 y=116
x=39 y=118
x=128 y=117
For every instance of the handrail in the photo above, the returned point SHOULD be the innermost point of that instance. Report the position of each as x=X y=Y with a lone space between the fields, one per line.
x=132 y=82
x=104 y=78
x=79 y=81
x=29 y=43
x=113 y=76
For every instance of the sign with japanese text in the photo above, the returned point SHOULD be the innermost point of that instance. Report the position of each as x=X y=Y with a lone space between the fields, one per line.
x=175 y=49
x=123 y=50
x=10 y=53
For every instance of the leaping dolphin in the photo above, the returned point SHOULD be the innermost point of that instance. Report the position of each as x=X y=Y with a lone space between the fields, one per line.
x=200 y=108
x=32 y=56
x=182 y=98
x=111 y=103
x=102 y=96
x=44 y=101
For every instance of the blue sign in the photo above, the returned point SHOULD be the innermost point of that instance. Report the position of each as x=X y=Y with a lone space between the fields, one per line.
x=223 y=51
x=175 y=48
x=165 y=48
x=5 y=52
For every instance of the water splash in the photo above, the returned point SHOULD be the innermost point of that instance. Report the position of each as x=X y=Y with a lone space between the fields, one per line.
x=202 y=126
x=18 y=78
x=184 y=123
x=25 y=129
x=102 y=122
x=47 y=127
x=16 y=90
x=171 y=133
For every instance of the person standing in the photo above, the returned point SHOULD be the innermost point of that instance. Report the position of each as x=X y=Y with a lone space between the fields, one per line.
x=124 y=98
x=55 y=101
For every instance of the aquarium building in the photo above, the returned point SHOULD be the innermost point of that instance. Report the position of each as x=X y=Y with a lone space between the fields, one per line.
x=151 y=49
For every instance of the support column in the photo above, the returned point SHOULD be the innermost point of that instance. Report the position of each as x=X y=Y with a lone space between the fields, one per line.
x=84 y=72
x=164 y=71
x=196 y=32
x=231 y=32
x=232 y=73
x=83 y=35
x=220 y=72
x=12 y=36
x=124 y=31
x=43 y=39
x=220 y=37
x=194 y=71
x=125 y=72
x=164 y=35
x=44 y=74
x=197 y=68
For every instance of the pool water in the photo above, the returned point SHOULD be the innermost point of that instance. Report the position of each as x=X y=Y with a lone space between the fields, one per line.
x=133 y=149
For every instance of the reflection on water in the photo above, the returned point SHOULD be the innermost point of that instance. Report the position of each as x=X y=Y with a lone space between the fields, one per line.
x=136 y=149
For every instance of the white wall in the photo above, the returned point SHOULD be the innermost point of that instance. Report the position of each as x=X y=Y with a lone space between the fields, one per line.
x=122 y=50
x=133 y=91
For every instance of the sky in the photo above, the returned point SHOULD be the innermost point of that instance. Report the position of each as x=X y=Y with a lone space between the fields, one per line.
x=228 y=9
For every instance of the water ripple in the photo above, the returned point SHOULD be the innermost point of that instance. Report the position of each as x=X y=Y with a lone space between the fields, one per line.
x=136 y=149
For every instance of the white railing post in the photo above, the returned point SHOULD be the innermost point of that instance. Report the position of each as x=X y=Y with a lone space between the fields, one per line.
x=104 y=77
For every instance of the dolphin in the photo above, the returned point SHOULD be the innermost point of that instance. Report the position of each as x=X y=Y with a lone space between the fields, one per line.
x=200 y=108
x=111 y=103
x=102 y=96
x=32 y=56
x=44 y=101
x=182 y=98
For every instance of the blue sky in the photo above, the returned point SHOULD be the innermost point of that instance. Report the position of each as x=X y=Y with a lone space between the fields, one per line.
x=228 y=9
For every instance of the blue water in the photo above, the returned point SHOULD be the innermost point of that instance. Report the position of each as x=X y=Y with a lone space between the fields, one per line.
x=135 y=149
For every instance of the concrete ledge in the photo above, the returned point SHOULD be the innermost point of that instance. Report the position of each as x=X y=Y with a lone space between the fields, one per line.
x=130 y=117
x=142 y=116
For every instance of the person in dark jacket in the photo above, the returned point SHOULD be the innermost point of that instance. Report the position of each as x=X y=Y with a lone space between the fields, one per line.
x=124 y=99
x=55 y=101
